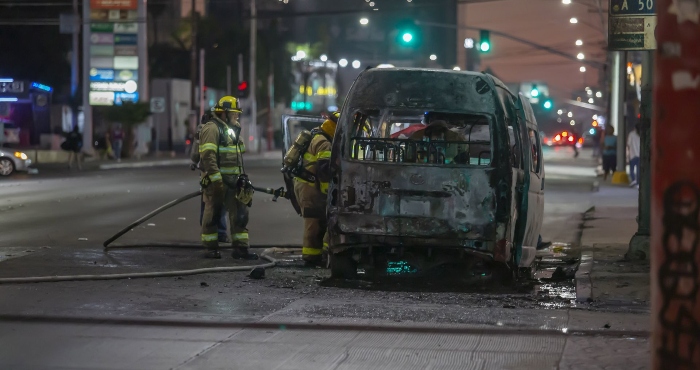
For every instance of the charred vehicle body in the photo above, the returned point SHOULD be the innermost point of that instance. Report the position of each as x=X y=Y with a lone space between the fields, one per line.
x=433 y=167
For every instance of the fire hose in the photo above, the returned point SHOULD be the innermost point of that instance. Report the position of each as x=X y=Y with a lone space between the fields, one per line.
x=281 y=192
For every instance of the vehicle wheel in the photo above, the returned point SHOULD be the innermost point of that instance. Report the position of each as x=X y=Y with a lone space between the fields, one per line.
x=343 y=266
x=7 y=167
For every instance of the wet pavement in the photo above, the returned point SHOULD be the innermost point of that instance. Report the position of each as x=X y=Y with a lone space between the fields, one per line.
x=55 y=225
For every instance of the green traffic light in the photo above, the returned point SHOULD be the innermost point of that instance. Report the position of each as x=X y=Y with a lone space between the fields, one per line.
x=535 y=93
x=485 y=46
x=547 y=104
x=407 y=37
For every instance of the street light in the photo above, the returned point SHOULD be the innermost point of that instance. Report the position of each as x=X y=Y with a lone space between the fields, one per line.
x=590 y=100
x=573 y=20
x=599 y=94
x=582 y=69
x=566 y=2
x=572 y=122
x=579 y=42
x=364 y=21
x=560 y=112
x=570 y=114
x=595 y=117
x=356 y=64
x=301 y=54
x=433 y=57
x=456 y=68
x=580 y=56
x=343 y=62
x=324 y=57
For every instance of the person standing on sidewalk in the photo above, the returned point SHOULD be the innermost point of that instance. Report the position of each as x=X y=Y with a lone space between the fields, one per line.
x=196 y=159
x=74 y=146
x=118 y=142
x=633 y=150
x=609 y=149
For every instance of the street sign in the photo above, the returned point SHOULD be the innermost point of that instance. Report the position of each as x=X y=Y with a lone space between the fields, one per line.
x=157 y=105
x=632 y=7
x=632 y=33
x=632 y=24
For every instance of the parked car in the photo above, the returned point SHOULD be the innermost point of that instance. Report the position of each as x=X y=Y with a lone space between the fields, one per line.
x=12 y=161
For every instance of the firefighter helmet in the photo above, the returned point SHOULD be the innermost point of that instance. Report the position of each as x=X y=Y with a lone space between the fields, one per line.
x=228 y=104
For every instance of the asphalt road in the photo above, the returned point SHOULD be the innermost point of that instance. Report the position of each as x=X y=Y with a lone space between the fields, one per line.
x=54 y=223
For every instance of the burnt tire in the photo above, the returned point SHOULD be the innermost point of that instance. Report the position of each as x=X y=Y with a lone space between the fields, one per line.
x=343 y=266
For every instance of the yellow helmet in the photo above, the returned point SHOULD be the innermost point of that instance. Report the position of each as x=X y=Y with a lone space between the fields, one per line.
x=228 y=104
x=330 y=124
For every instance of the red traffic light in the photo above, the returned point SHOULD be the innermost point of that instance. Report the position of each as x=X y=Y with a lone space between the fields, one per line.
x=243 y=86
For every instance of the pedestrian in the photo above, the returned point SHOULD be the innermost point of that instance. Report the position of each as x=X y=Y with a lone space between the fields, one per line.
x=118 y=142
x=311 y=191
x=609 y=150
x=633 y=150
x=195 y=157
x=74 y=146
x=224 y=183
x=576 y=136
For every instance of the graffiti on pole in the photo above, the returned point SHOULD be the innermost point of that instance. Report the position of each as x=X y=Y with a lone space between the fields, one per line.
x=678 y=277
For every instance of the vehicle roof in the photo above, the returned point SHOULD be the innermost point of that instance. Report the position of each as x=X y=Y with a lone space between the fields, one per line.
x=435 y=70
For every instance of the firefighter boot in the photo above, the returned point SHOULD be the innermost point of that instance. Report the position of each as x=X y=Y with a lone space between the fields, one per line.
x=241 y=253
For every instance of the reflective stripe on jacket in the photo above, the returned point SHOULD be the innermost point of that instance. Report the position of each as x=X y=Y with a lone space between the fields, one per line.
x=229 y=162
x=317 y=160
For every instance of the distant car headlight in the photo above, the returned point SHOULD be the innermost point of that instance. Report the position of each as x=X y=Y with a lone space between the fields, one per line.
x=21 y=155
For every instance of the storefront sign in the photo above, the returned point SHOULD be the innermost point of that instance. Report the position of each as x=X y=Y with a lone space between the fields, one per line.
x=126 y=63
x=99 y=74
x=102 y=38
x=126 y=75
x=126 y=28
x=113 y=4
x=122 y=97
x=101 y=98
x=125 y=50
x=102 y=50
x=125 y=39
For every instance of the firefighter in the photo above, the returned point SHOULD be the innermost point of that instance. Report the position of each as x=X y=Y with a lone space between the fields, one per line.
x=223 y=181
x=311 y=189
x=194 y=156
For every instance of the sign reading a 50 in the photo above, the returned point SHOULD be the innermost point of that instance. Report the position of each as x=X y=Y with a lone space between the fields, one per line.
x=632 y=7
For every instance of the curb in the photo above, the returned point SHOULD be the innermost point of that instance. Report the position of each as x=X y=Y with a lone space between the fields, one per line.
x=584 y=286
x=175 y=162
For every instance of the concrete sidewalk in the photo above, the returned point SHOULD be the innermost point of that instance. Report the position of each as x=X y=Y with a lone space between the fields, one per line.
x=605 y=279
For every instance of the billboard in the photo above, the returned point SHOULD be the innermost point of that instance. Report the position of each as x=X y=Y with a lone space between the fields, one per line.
x=113 y=52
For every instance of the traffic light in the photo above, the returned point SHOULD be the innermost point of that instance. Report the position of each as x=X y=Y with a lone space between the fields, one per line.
x=548 y=104
x=535 y=92
x=243 y=89
x=484 y=41
x=407 y=37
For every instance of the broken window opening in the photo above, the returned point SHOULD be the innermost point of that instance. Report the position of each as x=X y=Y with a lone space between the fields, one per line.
x=418 y=137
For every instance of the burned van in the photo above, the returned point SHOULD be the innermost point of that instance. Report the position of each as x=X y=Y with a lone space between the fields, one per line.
x=433 y=167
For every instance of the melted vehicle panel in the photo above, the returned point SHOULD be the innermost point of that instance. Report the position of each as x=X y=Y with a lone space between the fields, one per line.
x=446 y=204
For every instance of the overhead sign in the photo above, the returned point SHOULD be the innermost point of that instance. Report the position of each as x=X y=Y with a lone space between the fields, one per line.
x=632 y=7
x=157 y=105
x=631 y=25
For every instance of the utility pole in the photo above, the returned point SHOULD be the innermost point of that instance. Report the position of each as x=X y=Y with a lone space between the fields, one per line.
x=74 y=81
x=675 y=221
x=202 y=98
x=617 y=115
x=639 y=245
x=252 y=133
x=87 y=109
x=271 y=98
x=193 y=62
x=228 y=80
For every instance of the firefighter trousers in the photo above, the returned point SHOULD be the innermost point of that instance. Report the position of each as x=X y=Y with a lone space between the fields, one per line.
x=313 y=209
x=237 y=215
